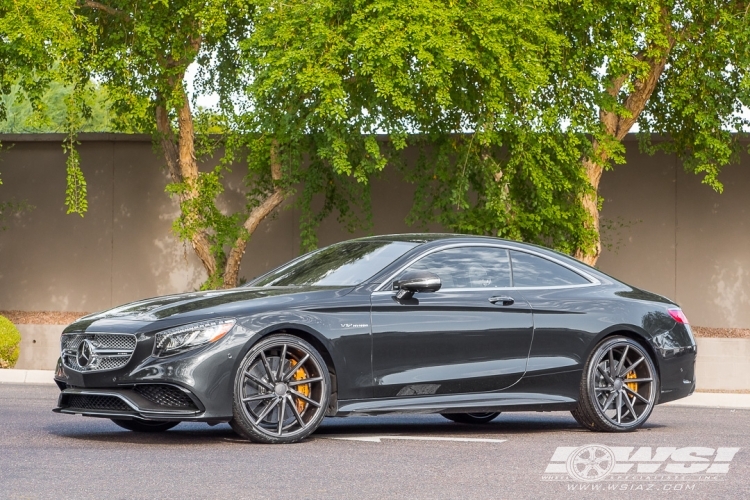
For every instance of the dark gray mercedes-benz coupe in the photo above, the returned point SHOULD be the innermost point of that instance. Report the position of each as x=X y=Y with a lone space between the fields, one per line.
x=463 y=326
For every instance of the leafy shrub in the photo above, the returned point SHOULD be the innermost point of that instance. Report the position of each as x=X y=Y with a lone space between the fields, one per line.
x=10 y=339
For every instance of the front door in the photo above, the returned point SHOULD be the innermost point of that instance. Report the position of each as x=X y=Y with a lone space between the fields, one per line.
x=473 y=335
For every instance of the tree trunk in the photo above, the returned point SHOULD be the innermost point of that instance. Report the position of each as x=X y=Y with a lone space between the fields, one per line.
x=273 y=200
x=591 y=205
x=617 y=127
x=183 y=167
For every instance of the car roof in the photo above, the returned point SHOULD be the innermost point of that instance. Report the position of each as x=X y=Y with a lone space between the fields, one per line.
x=435 y=239
x=432 y=239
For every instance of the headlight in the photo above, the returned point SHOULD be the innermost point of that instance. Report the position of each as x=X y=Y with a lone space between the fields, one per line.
x=188 y=337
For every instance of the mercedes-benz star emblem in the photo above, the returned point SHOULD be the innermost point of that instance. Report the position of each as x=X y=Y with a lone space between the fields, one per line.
x=85 y=353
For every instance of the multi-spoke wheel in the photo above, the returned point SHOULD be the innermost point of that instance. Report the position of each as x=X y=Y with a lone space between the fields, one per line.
x=618 y=388
x=281 y=391
x=144 y=425
x=472 y=418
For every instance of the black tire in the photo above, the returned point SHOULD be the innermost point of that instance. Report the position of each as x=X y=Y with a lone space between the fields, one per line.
x=144 y=425
x=472 y=418
x=619 y=372
x=272 y=403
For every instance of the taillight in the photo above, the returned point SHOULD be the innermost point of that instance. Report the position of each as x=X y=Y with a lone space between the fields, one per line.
x=678 y=316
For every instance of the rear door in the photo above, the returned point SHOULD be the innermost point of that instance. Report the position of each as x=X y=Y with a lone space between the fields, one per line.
x=473 y=335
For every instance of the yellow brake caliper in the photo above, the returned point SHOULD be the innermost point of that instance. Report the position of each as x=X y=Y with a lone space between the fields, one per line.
x=632 y=385
x=301 y=374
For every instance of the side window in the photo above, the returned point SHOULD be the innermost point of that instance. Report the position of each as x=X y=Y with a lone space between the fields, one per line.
x=468 y=267
x=530 y=270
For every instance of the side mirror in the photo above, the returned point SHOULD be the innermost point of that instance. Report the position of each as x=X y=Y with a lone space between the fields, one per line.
x=416 y=281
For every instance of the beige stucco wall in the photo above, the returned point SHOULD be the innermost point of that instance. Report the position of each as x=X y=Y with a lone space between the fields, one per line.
x=670 y=233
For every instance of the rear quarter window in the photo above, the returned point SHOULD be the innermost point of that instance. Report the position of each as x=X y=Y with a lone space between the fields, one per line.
x=531 y=270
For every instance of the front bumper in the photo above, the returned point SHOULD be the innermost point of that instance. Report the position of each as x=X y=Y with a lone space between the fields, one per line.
x=195 y=385
x=146 y=402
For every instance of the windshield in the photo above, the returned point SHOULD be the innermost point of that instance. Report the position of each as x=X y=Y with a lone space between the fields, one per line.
x=343 y=264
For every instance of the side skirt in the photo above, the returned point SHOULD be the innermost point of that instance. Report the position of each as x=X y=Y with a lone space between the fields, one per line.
x=460 y=403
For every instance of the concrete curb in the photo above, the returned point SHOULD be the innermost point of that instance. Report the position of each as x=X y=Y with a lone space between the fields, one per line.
x=27 y=376
x=714 y=400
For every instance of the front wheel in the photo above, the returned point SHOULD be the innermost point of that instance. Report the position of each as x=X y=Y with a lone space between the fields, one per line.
x=281 y=391
x=471 y=418
x=618 y=387
x=144 y=426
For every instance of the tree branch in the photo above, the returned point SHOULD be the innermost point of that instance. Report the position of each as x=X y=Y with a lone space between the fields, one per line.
x=231 y=271
x=100 y=6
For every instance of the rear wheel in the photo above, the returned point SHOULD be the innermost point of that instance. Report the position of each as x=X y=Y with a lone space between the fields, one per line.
x=144 y=426
x=618 y=387
x=471 y=418
x=281 y=391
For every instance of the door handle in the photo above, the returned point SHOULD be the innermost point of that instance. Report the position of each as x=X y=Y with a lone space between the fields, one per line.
x=506 y=301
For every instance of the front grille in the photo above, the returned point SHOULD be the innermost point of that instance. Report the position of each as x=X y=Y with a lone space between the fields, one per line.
x=106 y=351
x=89 y=402
x=165 y=395
x=105 y=340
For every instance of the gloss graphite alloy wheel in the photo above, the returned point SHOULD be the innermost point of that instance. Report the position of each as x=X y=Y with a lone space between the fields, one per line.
x=618 y=388
x=281 y=391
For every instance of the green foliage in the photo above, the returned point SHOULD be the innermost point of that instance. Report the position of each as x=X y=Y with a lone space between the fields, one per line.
x=527 y=190
x=201 y=211
x=328 y=76
x=75 y=193
x=140 y=53
x=10 y=340
x=515 y=106
x=36 y=41
x=679 y=69
x=615 y=47
x=22 y=119
x=33 y=33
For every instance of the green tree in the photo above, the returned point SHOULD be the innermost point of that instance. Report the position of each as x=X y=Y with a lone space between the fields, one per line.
x=679 y=69
x=305 y=87
x=294 y=105
x=532 y=173
x=34 y=36
x=333 y=73
x=141 y=54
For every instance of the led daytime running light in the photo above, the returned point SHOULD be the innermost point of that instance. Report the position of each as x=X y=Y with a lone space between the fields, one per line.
x=191 y=336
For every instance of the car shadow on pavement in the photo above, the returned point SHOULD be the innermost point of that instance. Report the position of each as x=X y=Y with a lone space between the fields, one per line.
x=103 y=431
x=437 y=425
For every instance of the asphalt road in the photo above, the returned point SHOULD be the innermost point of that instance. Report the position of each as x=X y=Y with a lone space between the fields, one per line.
x=46 y=455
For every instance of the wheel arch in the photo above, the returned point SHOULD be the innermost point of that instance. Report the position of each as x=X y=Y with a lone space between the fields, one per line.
x=633 y=333
x=312 y=337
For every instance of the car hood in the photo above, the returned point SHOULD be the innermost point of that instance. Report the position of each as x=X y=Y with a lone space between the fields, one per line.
x=186 y=307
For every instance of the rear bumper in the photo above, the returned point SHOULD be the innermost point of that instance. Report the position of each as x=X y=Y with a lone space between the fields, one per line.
x=677 y=373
